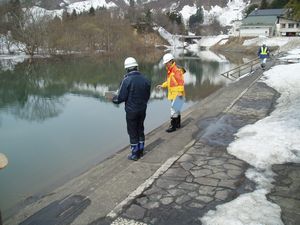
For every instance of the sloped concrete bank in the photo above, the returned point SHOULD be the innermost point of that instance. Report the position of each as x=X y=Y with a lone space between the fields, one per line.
x=169 y=179
x=205 y=175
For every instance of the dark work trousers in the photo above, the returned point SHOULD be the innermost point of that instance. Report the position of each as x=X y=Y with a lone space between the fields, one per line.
x=135 y=126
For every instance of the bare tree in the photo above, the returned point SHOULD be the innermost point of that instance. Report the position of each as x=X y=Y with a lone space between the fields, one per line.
x=9 y=42
x=29 y=28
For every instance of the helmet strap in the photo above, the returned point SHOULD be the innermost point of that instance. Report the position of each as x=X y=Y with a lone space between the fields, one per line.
x=128 y=70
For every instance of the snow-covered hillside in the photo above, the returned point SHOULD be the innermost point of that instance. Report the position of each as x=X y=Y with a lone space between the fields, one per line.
x=225 y=11
x=226 y=15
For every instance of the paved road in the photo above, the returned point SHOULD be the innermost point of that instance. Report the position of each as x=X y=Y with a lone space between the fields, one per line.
x=182 y=176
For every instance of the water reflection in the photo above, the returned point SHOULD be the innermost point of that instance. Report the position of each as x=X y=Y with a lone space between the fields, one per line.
x=35 y=91
x=56 y=123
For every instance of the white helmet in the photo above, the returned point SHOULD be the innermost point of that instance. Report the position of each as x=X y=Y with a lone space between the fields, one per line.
x=167 y=58
x=130 y=62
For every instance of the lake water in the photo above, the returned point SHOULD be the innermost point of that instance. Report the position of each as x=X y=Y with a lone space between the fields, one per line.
x=55 y=122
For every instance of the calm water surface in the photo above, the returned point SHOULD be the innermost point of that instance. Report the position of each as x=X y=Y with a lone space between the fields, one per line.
x=55 y=122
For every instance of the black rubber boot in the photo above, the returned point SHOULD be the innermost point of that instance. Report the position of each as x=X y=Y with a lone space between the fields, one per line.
x=172 y=126
x=141 y=149
x=178 y=121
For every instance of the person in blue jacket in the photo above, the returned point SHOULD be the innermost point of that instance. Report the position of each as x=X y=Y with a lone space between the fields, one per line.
x=263 y=53
x=134 y=90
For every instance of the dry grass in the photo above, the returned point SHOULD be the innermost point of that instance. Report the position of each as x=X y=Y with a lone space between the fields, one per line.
x=235 y=44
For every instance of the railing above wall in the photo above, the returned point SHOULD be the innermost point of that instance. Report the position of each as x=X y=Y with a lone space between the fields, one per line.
x=247 y=67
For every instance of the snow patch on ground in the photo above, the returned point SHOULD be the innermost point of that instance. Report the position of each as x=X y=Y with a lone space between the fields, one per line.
x=253 y=145
x=249 y=209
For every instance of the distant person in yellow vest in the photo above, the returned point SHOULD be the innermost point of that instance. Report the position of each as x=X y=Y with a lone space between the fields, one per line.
x=175 y=86
x=3 y=163
x=263 y=53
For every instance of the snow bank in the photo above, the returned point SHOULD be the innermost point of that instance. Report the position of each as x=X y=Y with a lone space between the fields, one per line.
x=208 y=41
x=272 y=140
x=282 y=126
x=269 y=41
x=284 y=43
x=249 y=209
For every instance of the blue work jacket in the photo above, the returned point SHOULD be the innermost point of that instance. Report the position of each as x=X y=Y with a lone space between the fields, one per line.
x=134 y=91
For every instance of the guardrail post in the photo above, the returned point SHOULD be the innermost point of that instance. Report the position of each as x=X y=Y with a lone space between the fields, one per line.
x=238 y=70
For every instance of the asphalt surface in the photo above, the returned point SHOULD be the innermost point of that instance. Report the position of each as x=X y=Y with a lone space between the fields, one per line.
x=182 y=175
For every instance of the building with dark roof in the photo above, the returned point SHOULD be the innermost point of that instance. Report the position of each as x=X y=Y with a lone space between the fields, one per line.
x=269 y=23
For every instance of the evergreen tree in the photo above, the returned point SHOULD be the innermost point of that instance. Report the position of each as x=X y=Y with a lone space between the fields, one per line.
x=15 y=15
x=196 y=18
x=250 y=9
x=294 y=5
x=131 y=3
x=15 y=5
x=74 y=14
x=132 y=11
x=174 y=17
x=15 y=8
x=263 y=4
x=148 y=16
x=278 y=4
x=65 y=15
x=92 y=11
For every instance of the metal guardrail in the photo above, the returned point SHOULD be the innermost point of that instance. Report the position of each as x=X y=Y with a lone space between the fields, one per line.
x=247 y=67
x=250 y=66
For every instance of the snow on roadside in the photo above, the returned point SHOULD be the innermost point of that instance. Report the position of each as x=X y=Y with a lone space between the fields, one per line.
x=249 y=209
x=282 y=127
x=273 y=41
x=284 y=43
x=208 y=41
x=293 y=56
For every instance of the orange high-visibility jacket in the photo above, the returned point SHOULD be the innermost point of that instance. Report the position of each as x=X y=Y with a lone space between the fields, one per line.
x=175 y=82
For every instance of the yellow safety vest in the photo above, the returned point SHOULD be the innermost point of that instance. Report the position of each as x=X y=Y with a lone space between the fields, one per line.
x=263 y=51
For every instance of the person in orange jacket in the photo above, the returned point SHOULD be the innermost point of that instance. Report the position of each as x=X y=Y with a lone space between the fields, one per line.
x=175 y=86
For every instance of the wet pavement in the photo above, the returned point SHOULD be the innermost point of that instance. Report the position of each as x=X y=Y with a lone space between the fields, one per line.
x=205 y=175
x=182 y=176
x=286 y=192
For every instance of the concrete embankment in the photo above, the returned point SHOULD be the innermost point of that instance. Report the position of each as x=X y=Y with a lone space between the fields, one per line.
x=167 y=185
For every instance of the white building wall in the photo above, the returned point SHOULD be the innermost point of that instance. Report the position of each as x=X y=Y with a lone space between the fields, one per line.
x=288 y=26
x=250 y=32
